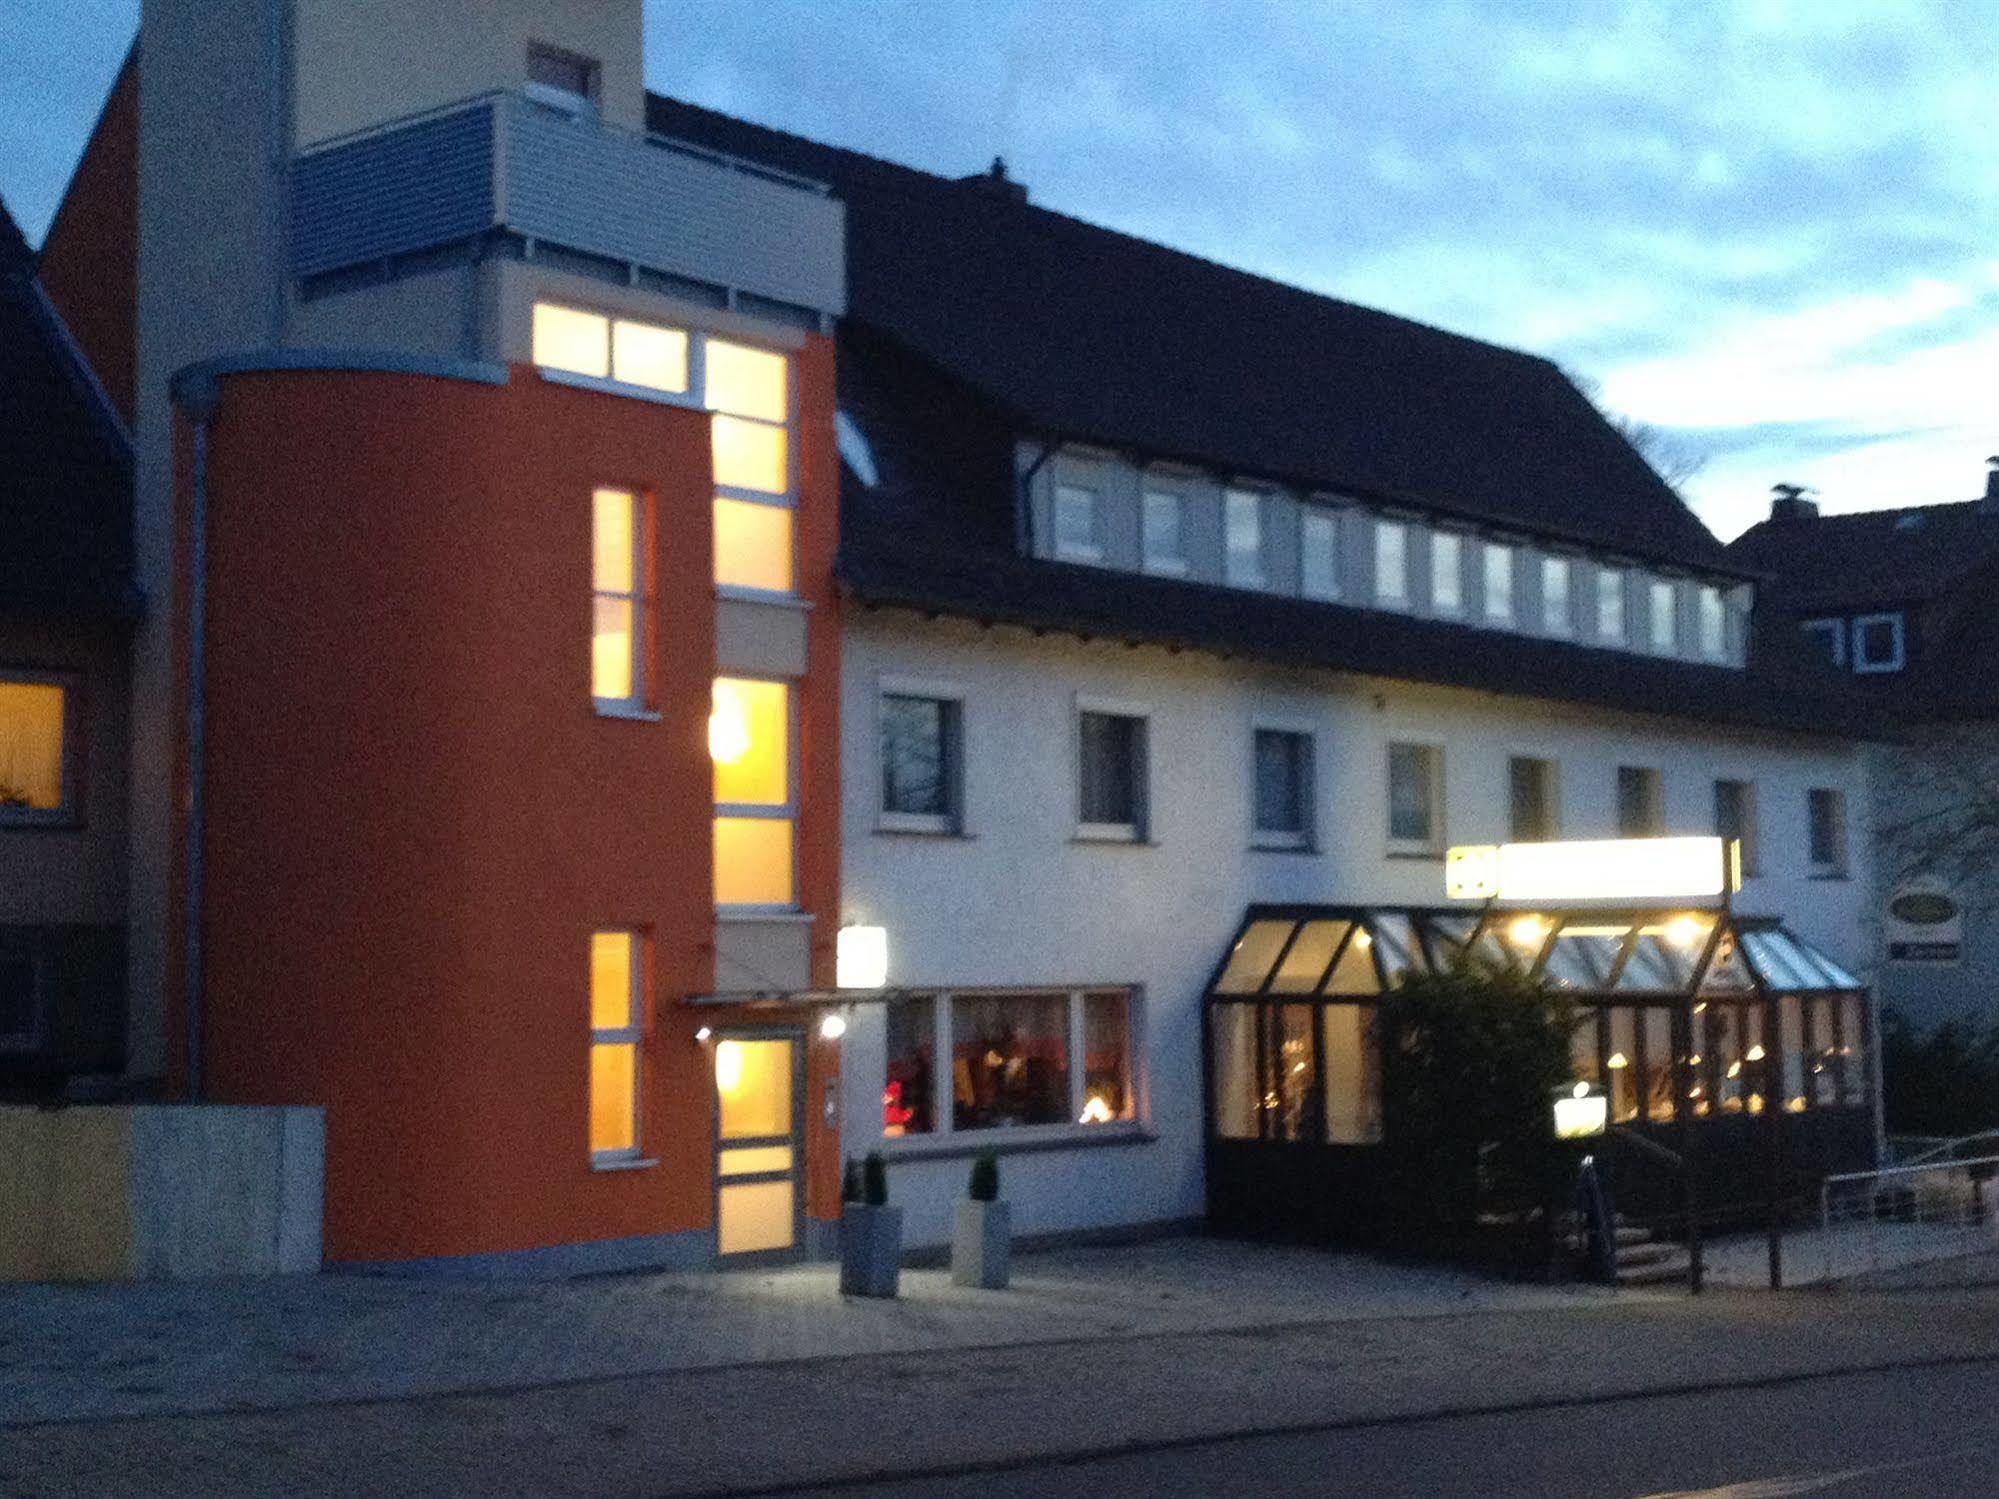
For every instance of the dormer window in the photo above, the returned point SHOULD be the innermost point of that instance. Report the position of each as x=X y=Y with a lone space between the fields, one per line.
x=563 y=80
x=1877 y=643
x=1077 y=537
x=1828 y=638
x=1713 y=623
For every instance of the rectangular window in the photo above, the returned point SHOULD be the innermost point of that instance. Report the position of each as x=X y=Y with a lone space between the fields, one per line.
x=1352 y=1062
x=909 y=1090
x=1665 y=615
x=753 y=546
x=1535 y=799
x=1828 y=637
x=1391 y=563
x=1111 y=775
x=1498 y=582
x=1713 y=622
x=922 y=763
x=617 y=983
x=746 y=382
x=1610 y=606
x=1242 y=523
x=1735 y=817
x=1555 y=616
x=1077 y=534
x=563 y=79
x=1447 y=572
x=620 y=564
x=34 y=749
x=750 y=455
x=1641 y=802
x=1877 y=643
x=1165 y=540
x=1319 y=554
x=749 y=742
x=1827 y=810
x=577 y=342
x=1283 y=789
x=748 y=390
x=1415 y=798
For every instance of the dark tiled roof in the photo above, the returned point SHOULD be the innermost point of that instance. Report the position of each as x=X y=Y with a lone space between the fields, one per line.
x=1842 y=563
x=65 y=465
x=1077 y=331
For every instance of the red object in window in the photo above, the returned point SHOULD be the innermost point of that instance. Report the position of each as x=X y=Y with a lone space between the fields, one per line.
x=894 y=1114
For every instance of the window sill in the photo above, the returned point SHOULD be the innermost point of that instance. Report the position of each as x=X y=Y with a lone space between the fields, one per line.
x=1423 y=855
x=41 y=822
x=913 y=830
x=1111 y=837
x=637 y=1163
x=1020 y=1140
x=762 y=913
x=1310 y=850
x=736 y=593
x=629 y=715
x=609 y=387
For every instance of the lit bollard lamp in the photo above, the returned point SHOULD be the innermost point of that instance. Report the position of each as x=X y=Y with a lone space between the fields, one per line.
x=1581 y=1113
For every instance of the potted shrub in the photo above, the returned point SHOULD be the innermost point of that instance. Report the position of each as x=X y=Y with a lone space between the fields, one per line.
x=982 y=1233
x=870 y=1231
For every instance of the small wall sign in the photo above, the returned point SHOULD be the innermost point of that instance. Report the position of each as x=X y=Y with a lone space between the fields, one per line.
x=1925 y=924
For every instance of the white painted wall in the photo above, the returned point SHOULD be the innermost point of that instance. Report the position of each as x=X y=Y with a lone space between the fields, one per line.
x=1018 y=901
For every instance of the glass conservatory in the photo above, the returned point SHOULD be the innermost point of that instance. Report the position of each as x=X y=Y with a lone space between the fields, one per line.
x=1693 y=1020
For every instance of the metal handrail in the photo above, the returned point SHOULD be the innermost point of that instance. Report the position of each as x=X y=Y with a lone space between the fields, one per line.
x=1946 y=1150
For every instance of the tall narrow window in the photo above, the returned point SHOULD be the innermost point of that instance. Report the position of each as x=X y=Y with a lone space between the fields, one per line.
x=34 y=749
x=1319 y=553
x=1535 y=802
x=1877 y=643
x=1735 y=817
x=749 y=741
x=619 y=566
x=1641 y=802
x=1078 y=537
x=1242 y=522
x=616 y=996
x=1111 y=775
x=1610 y=606
x=1165 y=541
x=1713 y=623
x=922 y=763
x=1391 y=563
x=1498 y=582
x=1415 y=798
x=1665 y=612
x=1827 y=809
x=749 y=391
x=1447 y=573
x=1555 y=616
x=1283 y=791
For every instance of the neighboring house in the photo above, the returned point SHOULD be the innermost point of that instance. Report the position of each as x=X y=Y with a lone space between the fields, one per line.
x=66 y=608
x=598 y=549
x=1897 y=606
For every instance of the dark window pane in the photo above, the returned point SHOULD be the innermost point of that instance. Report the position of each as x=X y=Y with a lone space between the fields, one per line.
x=1828 y=833
x=918 y=755
x=1532 y=786
x=1638 y=802
x=17 y=1000
x=1110 y=768
x=1010 y=1060
x=1877 y=642
x=909 y=1095
x=1281 y=770
x=1106 y=1057
x=1411 y=794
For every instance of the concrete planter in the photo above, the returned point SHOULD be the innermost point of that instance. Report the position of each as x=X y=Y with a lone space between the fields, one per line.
x=870 y=1250
x=982 y=1245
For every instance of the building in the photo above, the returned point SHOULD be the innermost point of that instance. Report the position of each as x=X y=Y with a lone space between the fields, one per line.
x=67 y=606
x=601 y=550
x=1894 y=605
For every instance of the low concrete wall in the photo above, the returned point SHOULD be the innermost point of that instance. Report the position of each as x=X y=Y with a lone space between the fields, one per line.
x=164 y=1191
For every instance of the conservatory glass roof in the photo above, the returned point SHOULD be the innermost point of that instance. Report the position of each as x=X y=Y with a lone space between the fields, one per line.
x=1355 y=952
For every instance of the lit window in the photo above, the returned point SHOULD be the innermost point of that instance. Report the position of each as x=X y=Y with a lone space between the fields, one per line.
x=1165 y=540
x=1713 y=623
x=1111 y=775
x=1555 y=616
x=922 y=763
x=1641 y=802
x=1827 y=815
x=1665 y=617
x=1242 y=524
x=618 y=566
x=749 y=740
x=750 y=455
x=1877 y=643
x=1415 y=798
x=1010 y=1061
x=753 y=861
x=742 y=381
x=1353 y=1075
x=1498 y=582
x=1391 y=563
x=1535 y=799
x=753 y=546
x=567 y=339
x=1735 y=818
x=1319 y=560
x=1828 y=638
x=1447 y=573
x=655 y=358
x=1610 y=606
x=616 y=990
x=1283 y=793
x=34 y=780
x=1076 y=535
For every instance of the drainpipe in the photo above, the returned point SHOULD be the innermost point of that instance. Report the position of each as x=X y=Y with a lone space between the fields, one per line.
x=198 y=399
x=1024 y=504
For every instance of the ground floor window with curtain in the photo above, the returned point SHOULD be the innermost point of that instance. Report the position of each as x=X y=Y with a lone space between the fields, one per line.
x=1296 y=1073
x=1010 y=1059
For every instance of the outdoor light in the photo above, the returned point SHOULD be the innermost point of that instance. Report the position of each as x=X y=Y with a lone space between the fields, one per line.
x=1581 y=1112
x=1683 y=931
x=1591 y=869
x=833 y=1027
x=1527 y=931
x=1618 y=1061
x=703 y=1035
x=861 y=957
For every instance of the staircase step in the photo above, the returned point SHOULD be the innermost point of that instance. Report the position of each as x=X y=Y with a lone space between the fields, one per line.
x=1636 y=1256
x=1657 y=1273
x=1631 y=1233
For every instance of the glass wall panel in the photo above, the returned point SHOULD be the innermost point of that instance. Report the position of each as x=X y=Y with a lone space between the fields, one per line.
x=1791 y=1026
x=1824 y=1052
x=1623 y=1064
x=1106 y=1057
x=1305 y=965
x=1353 y=1075
x=753 y=861
x=745 y=382
x=1583 y=955
x=1009 y=1060
x=909 y=1094
x=1355 y=971
x=653 y=357
x=1290 y=1089
x=1395 y=936
x=1255 y=951
x=1585 y=1063
x=753 y=546
x=566 y=339
x=1659 y=1083
x=1232 y=1038
x=1853 y=1046
x=753 y=1083
x=1449 y=934
x=749 y=740
x=750 y=455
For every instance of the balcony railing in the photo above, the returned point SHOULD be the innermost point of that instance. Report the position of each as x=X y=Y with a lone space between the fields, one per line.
x=501 y=162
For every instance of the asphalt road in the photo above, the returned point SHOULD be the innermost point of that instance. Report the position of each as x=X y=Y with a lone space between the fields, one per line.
x=1932 y=1433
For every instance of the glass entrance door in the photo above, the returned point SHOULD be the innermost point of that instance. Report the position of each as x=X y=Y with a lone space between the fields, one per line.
x=759 y=1156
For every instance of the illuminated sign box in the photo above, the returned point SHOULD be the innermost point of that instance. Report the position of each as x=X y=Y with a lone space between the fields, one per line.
x=1607 y=869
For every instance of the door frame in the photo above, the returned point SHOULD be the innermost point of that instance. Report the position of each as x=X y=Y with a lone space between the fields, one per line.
x=795 y=1251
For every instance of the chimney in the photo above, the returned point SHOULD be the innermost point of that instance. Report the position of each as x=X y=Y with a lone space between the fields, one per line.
x=1991 y=504
x=994 y=180
x=1788 y=503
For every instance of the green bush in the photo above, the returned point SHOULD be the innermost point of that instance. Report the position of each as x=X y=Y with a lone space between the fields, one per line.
x=850 y=1181
x=874 y=1180
x=1941 y=1082
x=1471 y=1058
x=984 y=1185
